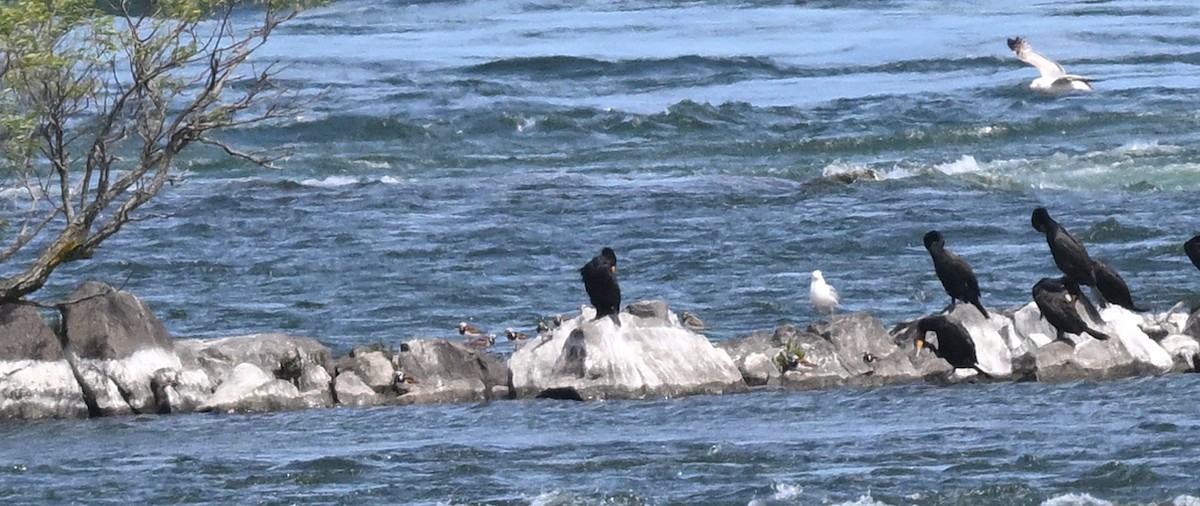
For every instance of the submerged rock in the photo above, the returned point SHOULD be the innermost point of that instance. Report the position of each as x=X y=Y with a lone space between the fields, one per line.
x=645 y=356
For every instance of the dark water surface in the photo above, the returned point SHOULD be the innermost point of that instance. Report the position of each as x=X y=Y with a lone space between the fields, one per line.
x=468 y=156
x=1001 y=444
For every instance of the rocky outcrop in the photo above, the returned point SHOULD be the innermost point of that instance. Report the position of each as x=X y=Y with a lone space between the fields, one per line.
x=1130 y=351
x=113 y=357
x=648 y=355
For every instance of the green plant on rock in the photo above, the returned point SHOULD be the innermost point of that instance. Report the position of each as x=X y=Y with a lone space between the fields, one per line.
x=97 y=100
x=790 y=357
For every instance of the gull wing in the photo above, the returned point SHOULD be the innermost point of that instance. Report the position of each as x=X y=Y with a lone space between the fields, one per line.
x=1025 y=53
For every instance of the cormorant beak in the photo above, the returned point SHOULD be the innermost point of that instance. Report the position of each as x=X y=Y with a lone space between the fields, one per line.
x=920 y=343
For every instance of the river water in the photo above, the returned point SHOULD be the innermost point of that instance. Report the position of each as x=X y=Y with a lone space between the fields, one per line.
x=465 y=158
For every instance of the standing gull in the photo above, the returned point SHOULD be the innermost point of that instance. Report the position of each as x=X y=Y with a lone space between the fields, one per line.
x=824 y=297
x=1053 y=78
x=955 y=273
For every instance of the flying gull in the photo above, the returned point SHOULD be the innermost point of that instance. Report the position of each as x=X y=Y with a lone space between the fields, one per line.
x=1053 y=78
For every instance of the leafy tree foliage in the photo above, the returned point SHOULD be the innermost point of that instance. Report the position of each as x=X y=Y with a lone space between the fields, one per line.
x=97 y=100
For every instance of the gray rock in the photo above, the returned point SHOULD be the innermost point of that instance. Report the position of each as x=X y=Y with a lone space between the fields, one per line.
x=103 y=323
x=821 y=367
x=1184 y=351
x=643 y=357
x=373 y=367
x=352 y=391
x=866 y=350
x=36 y=381
x=26 y=336
x=446 y=371
x=1129 y=352
x=754 y=357
x=115 y=345
x=299 y=361
x=180 y=391
x=249 y=389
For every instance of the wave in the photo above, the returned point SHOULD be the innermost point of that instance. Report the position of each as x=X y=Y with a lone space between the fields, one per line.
x=575 y=67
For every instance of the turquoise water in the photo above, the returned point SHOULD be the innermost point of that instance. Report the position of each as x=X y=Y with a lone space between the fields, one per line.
x=467 y=157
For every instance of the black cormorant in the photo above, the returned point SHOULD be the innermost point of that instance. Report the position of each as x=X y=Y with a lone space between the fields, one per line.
x=600 y=280
x=1112 y=287
x=1069 y=254
x=954 y=343
x=1192 y=248
x=1057 y=305
x=955 y=273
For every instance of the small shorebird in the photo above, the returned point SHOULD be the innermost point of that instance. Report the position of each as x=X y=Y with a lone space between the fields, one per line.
x=692 y=321
x=467 y=329
x=514 y=335
x=481 y=342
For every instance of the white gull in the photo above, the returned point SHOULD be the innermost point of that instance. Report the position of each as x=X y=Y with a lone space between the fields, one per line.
x=1053 y=78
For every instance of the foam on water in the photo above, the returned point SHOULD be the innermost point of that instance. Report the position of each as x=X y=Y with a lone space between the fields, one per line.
x=863 y=500
x=331 y=181
x=1075 y=499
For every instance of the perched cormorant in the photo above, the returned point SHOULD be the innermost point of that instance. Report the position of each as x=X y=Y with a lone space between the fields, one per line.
x=1192 y=248
x=600 y=280
x=1055 y=301
x=823 y=297
x=1112 y=287
x=954 y=343
x=1069 y=254
x=955 y=273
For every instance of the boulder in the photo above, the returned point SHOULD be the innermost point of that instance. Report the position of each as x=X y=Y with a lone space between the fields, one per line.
x=447 y=371
x=250 y=389
x=115 y=345
x=351 y=390
x=180 y=391
x=866 y=350
x=372 y=366
x=645 y=356
x=754 y=356
x=1129 y=352
x=299 y=361
x=821 y=367
x=1184 y=351
x=36 y=381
